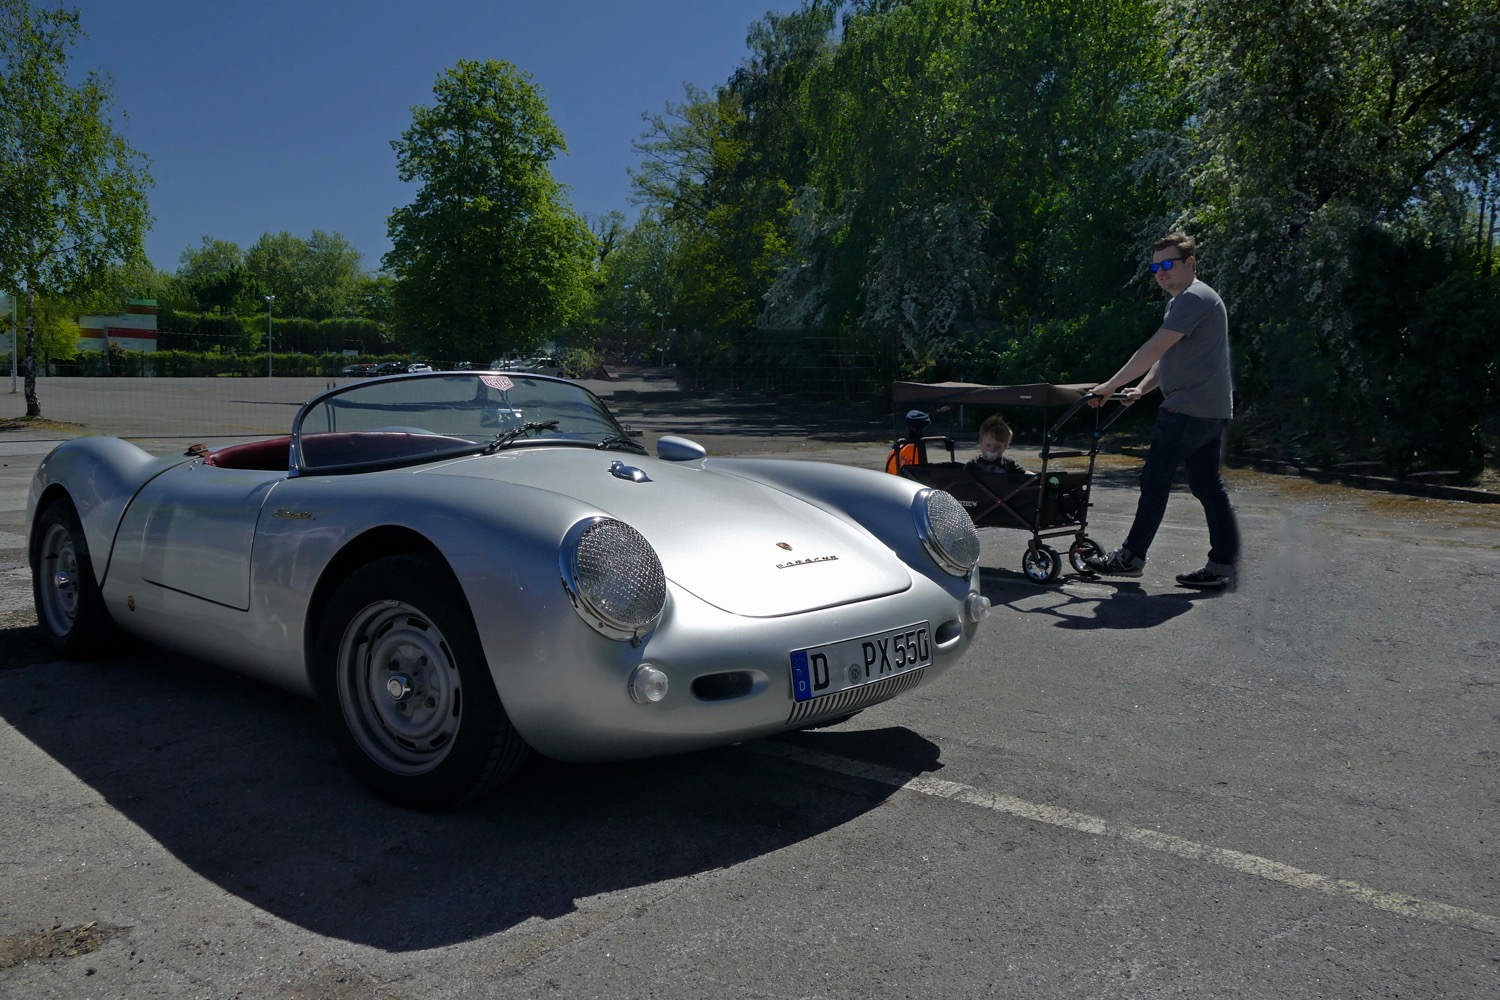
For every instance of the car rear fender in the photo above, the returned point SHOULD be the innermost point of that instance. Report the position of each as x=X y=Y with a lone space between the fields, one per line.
x=100 y=476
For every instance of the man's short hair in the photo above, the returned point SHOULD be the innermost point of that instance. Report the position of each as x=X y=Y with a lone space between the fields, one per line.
x=1185 y=244
x=995 y=426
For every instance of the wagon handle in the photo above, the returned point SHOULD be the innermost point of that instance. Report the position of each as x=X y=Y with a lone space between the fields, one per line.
x=1079 y=404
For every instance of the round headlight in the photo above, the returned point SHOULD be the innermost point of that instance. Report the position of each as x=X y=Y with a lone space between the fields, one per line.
x=614 y=577
x=947 y=531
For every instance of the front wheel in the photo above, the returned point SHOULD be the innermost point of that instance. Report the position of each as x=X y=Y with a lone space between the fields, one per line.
x=405 y=688
x=1083 y=549
x=69 y=604
x=1041 y=564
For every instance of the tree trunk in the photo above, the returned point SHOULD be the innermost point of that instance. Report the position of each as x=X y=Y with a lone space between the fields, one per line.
x=33 y=405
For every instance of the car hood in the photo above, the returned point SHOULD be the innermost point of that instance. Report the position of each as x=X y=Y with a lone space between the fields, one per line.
x=739 y=545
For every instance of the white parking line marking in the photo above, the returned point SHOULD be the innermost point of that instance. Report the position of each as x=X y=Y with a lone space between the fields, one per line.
x=1247 y=864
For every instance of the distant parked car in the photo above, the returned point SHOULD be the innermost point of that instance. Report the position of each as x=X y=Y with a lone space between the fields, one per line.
x=402 y=367
x=359 y=371
x=540 y=365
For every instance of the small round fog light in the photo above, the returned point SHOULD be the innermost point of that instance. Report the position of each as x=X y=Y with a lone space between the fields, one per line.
x=978 y=607
x=647 y=684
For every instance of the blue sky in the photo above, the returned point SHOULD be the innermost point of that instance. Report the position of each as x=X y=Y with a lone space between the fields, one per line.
x=274 y=115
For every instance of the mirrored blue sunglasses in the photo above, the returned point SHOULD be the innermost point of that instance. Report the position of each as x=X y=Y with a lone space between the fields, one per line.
x=1165 y=265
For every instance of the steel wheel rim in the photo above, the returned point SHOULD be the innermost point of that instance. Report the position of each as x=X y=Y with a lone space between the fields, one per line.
x=399 y=688
x=59 y=590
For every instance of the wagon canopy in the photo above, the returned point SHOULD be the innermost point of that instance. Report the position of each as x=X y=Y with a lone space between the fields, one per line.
x=1040 y=394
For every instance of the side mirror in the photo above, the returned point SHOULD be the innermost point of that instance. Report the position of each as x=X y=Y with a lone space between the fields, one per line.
x=671 y=448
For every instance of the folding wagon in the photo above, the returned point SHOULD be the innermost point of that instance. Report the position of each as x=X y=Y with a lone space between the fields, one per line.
x=1050 y=503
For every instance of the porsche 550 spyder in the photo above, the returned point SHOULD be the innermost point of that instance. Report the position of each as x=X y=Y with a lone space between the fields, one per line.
x=464 y=568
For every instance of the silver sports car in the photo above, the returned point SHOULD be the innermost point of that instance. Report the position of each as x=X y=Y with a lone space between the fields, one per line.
x=464 y=568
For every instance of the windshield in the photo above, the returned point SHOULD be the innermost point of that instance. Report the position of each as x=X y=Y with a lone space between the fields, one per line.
x=418 y=418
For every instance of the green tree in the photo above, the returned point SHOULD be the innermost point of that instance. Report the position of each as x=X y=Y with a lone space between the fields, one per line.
x=73 y=191
x=489 y=256
x=638 y=286
x=375 y=299
x=109 y=289
x=314 y=278
x=55 y=334
x=608 y=230
x=1318 y=118
x=689 y=155
x=214 y=274
x=1326 y=134
x=722 y=169
x=976 y=170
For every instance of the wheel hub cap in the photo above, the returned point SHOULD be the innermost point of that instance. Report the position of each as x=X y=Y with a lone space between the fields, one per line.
x=401 y=687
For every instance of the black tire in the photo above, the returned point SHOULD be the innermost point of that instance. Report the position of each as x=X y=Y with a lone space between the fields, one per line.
x=405 y=689
x=1084 y=548
x=69 y=605
x=1041 y=564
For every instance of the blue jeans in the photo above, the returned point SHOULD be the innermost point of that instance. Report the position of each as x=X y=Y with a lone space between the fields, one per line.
x=1180 y=440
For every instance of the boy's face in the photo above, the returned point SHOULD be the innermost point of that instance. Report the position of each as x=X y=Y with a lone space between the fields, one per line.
x=990 y=449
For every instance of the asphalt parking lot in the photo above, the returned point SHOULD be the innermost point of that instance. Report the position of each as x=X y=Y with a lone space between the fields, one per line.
x=1126 y=790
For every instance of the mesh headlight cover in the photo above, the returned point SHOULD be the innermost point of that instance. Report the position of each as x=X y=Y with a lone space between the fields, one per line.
x=947 y=531
x=614 y=577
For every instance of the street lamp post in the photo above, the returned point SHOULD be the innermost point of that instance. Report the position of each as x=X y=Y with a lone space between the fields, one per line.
x=270 y=303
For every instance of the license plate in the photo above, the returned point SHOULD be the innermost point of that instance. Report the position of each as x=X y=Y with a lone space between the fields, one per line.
x=839 y=666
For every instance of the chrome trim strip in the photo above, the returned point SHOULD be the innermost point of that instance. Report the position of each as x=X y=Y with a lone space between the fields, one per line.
x=855 y=698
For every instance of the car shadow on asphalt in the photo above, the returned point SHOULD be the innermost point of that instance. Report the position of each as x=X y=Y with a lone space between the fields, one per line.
x=1082 y=603
x=238 y=781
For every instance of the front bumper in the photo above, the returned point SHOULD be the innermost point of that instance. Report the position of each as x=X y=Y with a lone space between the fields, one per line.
x=568 y=693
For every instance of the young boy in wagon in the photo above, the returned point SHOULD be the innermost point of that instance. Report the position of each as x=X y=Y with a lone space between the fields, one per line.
x=994 y=439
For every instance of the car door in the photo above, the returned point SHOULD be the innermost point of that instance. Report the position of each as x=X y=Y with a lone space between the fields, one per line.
x=191 y=531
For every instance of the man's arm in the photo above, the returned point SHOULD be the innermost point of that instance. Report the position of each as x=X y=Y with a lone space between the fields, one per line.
x=1142 y=387
x=1142 y=362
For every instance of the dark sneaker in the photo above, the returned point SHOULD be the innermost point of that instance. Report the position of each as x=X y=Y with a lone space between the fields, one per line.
x=1206 y=579
x=1118 y=563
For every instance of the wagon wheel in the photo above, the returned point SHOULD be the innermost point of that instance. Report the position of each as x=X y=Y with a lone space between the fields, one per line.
x=68 y=602
x=405 y=688
x=1084 y=548
x=1041 y=564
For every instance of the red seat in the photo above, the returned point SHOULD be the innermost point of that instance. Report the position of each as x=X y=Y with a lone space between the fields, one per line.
x=270 y=455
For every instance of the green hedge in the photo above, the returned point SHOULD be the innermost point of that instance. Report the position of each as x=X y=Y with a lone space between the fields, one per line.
x=208 y=364
x=210 y=332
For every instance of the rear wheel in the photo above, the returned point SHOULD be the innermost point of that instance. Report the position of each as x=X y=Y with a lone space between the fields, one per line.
x=405 y=688
x=1041 y=564
x=68 y=602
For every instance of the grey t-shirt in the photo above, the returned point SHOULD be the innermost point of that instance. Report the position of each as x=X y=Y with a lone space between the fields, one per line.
x=1194 y=374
